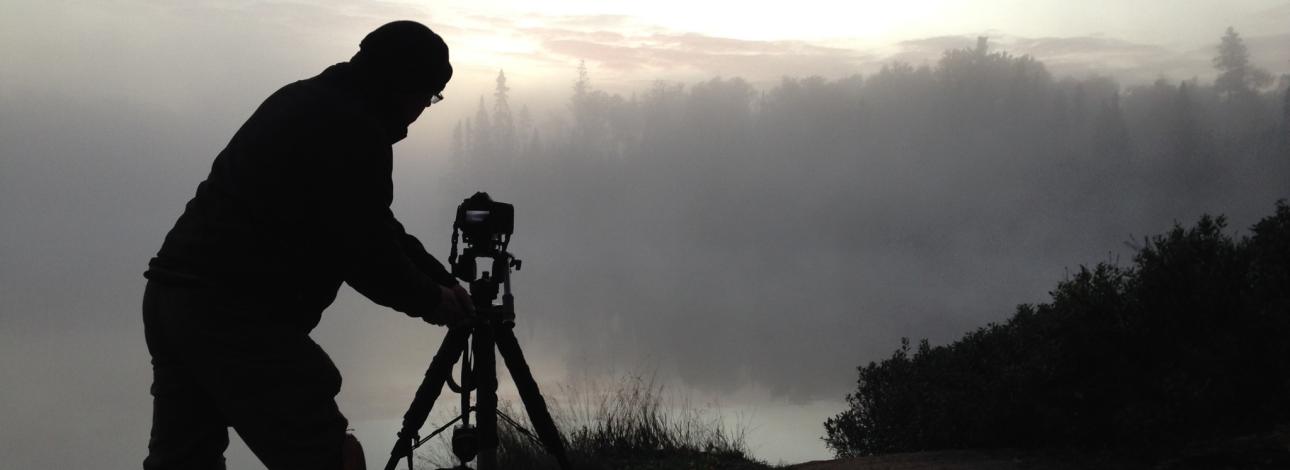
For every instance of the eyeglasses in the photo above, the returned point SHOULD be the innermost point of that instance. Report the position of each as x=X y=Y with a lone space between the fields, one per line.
x=435 y=98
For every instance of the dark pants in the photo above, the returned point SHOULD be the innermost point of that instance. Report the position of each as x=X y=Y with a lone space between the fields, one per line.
x=221 y=360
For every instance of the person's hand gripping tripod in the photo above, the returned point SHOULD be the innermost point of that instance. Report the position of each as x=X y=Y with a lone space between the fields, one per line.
x=486 y=228
x=455 y=307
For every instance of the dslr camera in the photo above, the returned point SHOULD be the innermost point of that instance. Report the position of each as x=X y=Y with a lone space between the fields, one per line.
x=485 y=226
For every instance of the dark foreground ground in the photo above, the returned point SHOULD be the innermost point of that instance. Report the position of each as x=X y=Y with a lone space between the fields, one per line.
x=1263 y=451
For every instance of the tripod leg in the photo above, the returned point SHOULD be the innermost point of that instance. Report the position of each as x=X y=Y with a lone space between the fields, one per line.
x=532 y=397
x=440 y=368
x=486 y=396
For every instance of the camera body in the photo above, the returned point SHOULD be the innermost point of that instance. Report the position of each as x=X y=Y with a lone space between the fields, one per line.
x=485 y=222
x=485 y=226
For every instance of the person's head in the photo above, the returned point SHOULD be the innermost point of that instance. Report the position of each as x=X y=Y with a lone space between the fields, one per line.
x=408 y=65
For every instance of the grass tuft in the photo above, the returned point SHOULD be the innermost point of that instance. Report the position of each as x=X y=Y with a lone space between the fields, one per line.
x=629 y=425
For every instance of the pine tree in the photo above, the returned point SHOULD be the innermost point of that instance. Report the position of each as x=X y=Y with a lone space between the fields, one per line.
x=583 y=85
x=580 y=101
x=482 y=139
x=1285 y=121
x=458 y=144
x=588 y=122
x=1236 y=76
x=1111 y=135
x=503 y=124
x=1190 y=144
x=535 y=144
x=524 y=127
x=468 y=136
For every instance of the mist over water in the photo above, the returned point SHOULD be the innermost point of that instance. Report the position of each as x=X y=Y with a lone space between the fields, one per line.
x=749 y=243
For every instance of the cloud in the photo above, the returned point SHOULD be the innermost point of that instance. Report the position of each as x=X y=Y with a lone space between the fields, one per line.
x=1081 y=46
x=936 y=44
x=698 y=55
x=1083 y=55
x=621 y=48
x=1128 y=61
x=587 y=21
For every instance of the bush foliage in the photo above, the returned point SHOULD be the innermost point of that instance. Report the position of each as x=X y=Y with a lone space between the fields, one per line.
x=1189 y=342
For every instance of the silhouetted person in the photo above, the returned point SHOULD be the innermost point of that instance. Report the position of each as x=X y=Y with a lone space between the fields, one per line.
x=297 y=203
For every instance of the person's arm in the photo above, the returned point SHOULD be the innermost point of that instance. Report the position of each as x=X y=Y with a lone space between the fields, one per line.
x=432 y=267
x=369 y=240
x=424 y=261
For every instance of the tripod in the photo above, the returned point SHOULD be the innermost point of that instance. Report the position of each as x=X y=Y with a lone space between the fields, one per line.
x=491 y=328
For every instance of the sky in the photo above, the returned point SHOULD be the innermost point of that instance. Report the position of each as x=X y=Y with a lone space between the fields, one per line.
x=112 y=111
x=760 y=40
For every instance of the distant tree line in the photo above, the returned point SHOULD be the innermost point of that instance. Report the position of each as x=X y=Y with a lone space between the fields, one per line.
x=974 y=103
x=979 y=122
x=1187 y=343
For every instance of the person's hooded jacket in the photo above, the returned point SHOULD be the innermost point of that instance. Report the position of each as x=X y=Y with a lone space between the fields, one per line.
x=299 y=202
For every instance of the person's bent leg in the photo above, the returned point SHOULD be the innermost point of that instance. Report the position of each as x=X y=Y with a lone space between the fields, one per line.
x=277 y=390
x=302 y=432
x=187 y=430
x=268 y=380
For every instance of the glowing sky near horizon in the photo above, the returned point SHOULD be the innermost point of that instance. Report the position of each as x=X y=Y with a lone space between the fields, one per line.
x=688 y=40
x=625 y=44
x=819 y=20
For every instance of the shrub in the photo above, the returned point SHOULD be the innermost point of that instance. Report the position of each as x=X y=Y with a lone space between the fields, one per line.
x=1187 y=343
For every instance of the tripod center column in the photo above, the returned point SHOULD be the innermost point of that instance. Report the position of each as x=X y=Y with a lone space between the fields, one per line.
x=484 y=348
